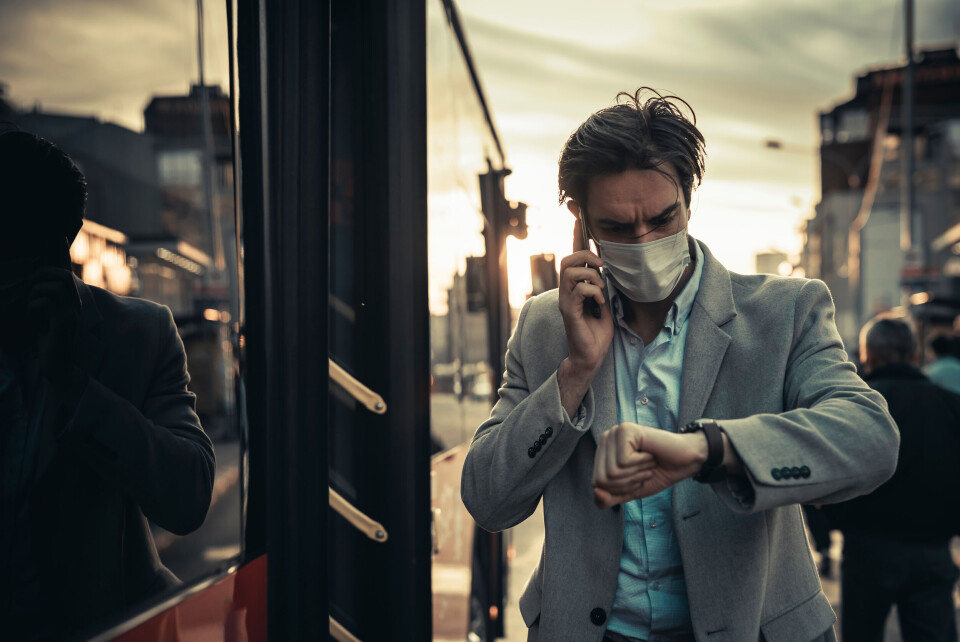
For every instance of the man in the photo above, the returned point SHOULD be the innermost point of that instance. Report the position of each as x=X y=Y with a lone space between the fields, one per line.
x=945 y=370
x=657 y=527
x=97 y=428
x=896 y=539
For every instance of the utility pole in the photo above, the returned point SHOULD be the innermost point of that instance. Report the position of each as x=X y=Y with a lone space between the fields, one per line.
x=912 y=229
x=501 y=219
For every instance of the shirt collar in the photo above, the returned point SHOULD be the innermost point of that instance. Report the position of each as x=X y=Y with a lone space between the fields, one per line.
x=682 y=306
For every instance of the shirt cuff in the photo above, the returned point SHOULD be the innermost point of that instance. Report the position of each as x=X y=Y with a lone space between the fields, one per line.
x=577 y=420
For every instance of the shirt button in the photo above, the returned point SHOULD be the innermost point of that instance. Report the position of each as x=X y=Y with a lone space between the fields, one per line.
x=644 y=401
x=654 y=524
x=655 y=586
x=633 y=341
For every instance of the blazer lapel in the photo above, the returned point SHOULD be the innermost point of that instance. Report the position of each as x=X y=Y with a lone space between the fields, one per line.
x=706 y=341
x=89 y=357
x=90 y=354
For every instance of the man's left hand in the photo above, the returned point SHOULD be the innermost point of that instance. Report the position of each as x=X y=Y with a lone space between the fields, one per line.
x=634 y=461
x=53 y=308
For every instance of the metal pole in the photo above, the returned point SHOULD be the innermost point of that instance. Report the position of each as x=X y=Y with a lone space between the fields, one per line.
x=213 y=220
x=910 y=225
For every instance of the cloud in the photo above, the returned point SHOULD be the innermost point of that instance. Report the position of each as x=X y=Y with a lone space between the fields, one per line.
x=106 y=58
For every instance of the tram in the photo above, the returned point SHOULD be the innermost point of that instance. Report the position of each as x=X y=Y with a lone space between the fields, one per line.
x=296 y=239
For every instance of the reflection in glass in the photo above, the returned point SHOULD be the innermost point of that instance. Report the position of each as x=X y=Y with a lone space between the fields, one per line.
x=119 y=89
x=461 y=145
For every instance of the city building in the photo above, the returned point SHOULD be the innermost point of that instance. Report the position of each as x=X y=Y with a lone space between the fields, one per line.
x=772 y=262
x=157 y=225
x=194 y=165
x=853 y=241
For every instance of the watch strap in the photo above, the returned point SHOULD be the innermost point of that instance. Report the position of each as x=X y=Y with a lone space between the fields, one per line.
x=713 y=468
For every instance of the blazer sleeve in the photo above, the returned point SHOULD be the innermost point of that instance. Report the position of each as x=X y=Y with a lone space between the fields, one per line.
x=157 y=454
x=837 y=433
x=504 y=473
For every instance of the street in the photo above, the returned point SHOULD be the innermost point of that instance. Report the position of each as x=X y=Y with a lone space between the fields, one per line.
x=454 y=422
x=218 y=539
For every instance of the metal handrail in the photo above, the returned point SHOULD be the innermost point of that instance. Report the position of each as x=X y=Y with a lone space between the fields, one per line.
x=340 y=634
x=370 y=399
x=369 y=527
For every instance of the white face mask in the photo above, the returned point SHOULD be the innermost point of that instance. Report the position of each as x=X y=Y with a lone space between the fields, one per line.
x=646 y=272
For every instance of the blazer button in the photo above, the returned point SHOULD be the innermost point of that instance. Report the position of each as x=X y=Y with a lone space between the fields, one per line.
x=548 y=432
x=542 y=440
x=537 y=446
x=804 y=471
x=775 y=473
x=785 y=472
x=531 y=452
x=598 y=616
x=795 y=472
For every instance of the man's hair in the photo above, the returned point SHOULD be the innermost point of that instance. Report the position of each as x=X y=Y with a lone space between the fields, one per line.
x=943 y=345
x=639 y=132
x=889 y=341
x=42 y=192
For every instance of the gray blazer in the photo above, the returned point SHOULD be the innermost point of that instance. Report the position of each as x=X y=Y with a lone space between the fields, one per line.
x=763 y=357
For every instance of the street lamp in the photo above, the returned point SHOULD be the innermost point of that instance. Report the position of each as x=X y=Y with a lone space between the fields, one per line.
x=853 y=177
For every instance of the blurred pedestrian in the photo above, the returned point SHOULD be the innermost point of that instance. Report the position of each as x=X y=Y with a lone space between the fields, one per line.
x=896 y=539
x=945 y=370
x=97 y=427
x=819 y=525
x=669 y=413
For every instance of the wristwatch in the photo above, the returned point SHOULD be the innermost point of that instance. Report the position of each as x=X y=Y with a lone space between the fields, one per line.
x=713 y=469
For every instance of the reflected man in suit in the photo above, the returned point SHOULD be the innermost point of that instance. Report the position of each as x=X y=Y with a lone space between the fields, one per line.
x=98 y=431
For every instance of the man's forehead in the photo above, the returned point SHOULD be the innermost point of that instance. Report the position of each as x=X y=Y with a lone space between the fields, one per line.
x=651 y=191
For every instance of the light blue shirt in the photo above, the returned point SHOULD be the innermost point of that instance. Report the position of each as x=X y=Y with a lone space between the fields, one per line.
x=651 y=594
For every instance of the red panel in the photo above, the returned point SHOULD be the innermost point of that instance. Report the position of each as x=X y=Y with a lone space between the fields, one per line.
x=232 y=610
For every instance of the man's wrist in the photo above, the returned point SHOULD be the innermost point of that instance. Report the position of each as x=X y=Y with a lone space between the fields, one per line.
x=573 y=382
x=702 y=447
x=712 y=462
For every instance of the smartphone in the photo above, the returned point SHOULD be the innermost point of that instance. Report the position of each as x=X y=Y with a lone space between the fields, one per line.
x=590 y=306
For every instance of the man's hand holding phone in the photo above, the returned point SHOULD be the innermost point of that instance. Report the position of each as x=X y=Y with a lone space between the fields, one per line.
x=588 y=336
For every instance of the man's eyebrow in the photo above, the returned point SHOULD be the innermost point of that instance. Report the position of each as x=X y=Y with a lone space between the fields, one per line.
x=670 y=209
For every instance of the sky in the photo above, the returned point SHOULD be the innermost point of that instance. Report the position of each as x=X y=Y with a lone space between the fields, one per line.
x=752 y=70
x=105 y=58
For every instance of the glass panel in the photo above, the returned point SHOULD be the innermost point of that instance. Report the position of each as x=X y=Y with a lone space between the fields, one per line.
x=459 y=147
x=139 y=101
x=347 y=450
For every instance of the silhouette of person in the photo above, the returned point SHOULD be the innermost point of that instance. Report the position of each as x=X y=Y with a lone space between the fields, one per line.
x=896 y=539
x=98 y=431
x=945 y=371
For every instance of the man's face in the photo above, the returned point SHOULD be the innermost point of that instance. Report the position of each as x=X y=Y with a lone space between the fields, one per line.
x=635 y=206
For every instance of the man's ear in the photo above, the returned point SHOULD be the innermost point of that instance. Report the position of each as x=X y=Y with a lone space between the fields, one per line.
x=574 y=208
